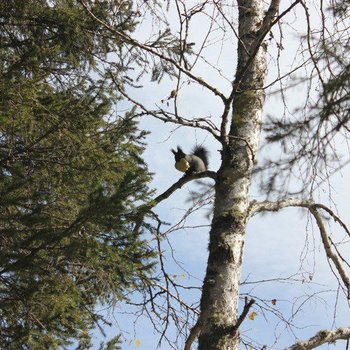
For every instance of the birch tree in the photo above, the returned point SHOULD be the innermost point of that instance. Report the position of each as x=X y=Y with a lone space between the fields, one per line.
x=258 y=29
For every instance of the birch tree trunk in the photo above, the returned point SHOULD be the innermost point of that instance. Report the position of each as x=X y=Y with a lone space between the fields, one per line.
x=220 y=296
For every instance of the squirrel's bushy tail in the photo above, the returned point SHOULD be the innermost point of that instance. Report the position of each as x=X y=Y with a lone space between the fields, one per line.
x=202 y=153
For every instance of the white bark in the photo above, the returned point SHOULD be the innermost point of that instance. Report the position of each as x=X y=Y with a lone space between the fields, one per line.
x=219 y=304
x=322 y=337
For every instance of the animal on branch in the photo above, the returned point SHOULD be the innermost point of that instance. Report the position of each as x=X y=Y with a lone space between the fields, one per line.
x=193 y=163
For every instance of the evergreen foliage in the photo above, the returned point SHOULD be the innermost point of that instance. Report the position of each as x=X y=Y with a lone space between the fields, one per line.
x=70 y=176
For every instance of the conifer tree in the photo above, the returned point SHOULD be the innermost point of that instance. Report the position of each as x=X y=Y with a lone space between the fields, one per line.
x=71 y=174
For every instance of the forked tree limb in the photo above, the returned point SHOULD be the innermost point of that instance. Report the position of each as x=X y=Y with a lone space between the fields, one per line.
x=322 y=337
x=196 y=329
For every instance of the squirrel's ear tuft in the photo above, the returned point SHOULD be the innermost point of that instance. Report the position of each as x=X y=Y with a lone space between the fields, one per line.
x=179 y=149
x=172 y=150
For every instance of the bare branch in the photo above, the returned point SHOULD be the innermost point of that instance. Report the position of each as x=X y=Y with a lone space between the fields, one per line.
x=309 y=34
x=166 y=117
x=247 y=306
x=182 y=181
x=322 y=337
x=166 y=194
x=256 y=207
x=334 y=216
x=328 y=248
x=153 y=51
x=180 y=301
x=194 y=333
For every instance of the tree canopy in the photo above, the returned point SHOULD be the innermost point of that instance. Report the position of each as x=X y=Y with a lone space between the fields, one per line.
x=71 y=175
x=262 y=84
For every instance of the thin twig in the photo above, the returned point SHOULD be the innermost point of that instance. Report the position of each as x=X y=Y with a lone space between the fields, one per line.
x=134 y=42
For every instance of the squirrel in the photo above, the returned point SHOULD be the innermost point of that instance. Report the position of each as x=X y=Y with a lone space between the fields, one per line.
x=189 y=164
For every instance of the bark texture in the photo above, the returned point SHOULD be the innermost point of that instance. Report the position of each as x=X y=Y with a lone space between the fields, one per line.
x=220 y=296
x=323 y=337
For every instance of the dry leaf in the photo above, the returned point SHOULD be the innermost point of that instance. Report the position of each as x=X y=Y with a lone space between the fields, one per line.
x=252 y=315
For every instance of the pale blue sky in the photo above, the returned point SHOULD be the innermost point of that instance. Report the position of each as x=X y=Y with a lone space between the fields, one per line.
x=278 y=245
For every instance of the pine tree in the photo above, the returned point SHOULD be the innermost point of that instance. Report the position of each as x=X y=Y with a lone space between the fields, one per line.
x=71 y=175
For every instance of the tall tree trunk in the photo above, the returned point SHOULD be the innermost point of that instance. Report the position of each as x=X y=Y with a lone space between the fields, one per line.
x=220 y=296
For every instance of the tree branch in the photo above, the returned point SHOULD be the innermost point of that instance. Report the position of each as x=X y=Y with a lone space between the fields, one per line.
x=243 y=315
x=144 y=209
x=196 y=329
x=182 y=181
x=153 y=51
x=322 y=337
x=194 y=333
x=256 y=207
x=328 y=248
x=165 y=117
